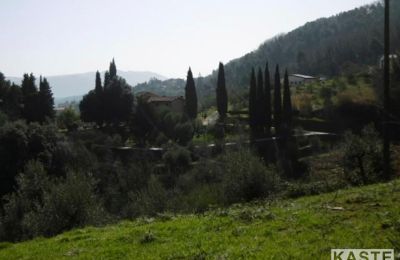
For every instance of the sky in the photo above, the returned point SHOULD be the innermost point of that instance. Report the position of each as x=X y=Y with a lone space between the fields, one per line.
x=56 y=37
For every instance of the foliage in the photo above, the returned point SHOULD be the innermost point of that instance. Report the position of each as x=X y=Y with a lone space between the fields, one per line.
x=111 y=104
x=44 y=206
x=268 y=103
x=222 y=97
x=362 y=156
x=245 y=177
x=68 y=119
x=190 y=96
x=45 y=101
x=253 y=101
x=277 y=101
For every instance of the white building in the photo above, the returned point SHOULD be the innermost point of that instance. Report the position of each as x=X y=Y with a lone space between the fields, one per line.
x=299 y=79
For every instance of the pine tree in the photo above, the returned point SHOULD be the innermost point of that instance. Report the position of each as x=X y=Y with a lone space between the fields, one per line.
x=190 y=96
x=267 y=92
x=222 y=97
x=277 y=101
x=260 y=101
x=98 y=88
x=287 y=103
x=113 y=69
x=46 y=100
x=253 y=101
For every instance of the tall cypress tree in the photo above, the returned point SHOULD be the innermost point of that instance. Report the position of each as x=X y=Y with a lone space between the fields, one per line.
x=277 y=101
x=253 y=101
x=107 y=79
x=29 y=98
x=267 y=92
x=287 y=103
x=190 y=96
x=113 y=69
x=98 y=88
x=222 y=97
x=46 y=100
x=260 y=101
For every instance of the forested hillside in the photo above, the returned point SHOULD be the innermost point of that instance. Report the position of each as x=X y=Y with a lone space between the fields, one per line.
x=342 y=44
x=339 y=44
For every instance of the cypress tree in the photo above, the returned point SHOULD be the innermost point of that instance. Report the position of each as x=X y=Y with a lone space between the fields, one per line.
x=98 y=87
x=253 y=101
x=113 y=69
x=46 y=100
x=267 y=92
x=29 y=98
x=222 y=97
x=107 y=79
x=287 y=103
x=260 y=100
x=190 y=96
x=277 y=101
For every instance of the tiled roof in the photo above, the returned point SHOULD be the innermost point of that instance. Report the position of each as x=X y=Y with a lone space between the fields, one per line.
x=163 y=99
x=302 y=76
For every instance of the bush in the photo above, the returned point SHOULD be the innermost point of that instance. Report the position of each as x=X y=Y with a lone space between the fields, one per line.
x=44 y=206
x=70 y=202
x=362 y=156
x=150 y=200
x=246 y=177
x=68 y=119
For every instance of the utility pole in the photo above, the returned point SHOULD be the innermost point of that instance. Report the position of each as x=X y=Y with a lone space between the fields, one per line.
x=386 y=95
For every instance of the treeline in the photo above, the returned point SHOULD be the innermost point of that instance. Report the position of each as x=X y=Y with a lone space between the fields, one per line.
x=26 y=101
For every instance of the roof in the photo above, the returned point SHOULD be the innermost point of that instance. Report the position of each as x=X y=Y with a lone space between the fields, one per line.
x=303 y=76
x=163 y=99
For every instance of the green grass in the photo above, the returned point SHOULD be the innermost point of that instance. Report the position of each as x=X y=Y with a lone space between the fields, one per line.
x=305 y=228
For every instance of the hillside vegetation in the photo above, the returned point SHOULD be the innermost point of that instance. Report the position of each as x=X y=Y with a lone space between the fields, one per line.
x=305 y=228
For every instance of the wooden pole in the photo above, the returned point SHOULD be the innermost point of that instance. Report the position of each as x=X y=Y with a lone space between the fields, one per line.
x=386 y=95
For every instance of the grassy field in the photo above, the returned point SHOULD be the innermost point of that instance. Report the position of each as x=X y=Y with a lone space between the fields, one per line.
x=305 y=228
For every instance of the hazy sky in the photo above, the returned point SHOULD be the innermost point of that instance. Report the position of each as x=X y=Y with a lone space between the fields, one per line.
x=53 y=37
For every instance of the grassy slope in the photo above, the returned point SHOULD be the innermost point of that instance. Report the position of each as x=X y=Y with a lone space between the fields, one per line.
x=279 y=230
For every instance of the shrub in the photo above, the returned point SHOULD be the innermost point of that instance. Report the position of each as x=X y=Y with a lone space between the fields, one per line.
x=246 y=177
x=44 y=206
x=70 y=202
x=150 y=200
x=362 y=156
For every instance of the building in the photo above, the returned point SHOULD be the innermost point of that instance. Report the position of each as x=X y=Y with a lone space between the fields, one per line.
x=299 y=79
x=175 y=103
x=392 y=57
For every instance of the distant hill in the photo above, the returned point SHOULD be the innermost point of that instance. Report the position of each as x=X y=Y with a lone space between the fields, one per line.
x=79 y=84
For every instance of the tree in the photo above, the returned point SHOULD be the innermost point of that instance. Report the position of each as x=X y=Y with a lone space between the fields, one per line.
x=222 y=97
x=113 y=69
x=98 y=87
x=253 y=101
x=117 y=101
x=277 y=101
x=112 y=104
x=287 y=103
x=106 y=79
x=46 y=101
x=260 y=101
x=190 y=96
x=29 y=98
x=267 y=92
